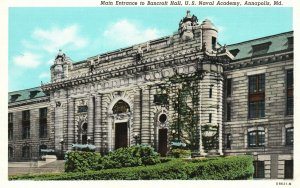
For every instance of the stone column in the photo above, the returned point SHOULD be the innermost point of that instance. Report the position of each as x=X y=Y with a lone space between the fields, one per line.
x=137 y=113
x=97 y=132
x=90 y=119
x=201 y=151
x=145 y=117
x=220 y=112
x=71 y=123
x=58 y=122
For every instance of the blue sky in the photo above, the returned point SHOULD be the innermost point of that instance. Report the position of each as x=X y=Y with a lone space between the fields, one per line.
x=36 y=34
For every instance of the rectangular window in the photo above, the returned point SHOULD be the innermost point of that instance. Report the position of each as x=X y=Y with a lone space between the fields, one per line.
x=10 y=126
x=26 y=115
x=210 y=116
x=26 y=152
x=82 y=109
x=228 y=87
x=289 y=136
x=43 y=113
x=26 y=124
x=228 y=112
x=290 y=93
x=10 y=117
x=288 y=169
x=161 y=99
x=210 y=92
x=259 y=169
x=256 y=96
x=213 y=42
x=256 y=138
x=10 y=131
x=43 y=122
x=25 y=132
x=228 y=141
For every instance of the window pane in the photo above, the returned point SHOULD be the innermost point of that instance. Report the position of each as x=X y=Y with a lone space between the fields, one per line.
x=289 y=136
x=259 y=169
x=289 y=79
x=261 y=138
x=261 y=109
x=229 y=81
x=288 y=169
x=251 y=139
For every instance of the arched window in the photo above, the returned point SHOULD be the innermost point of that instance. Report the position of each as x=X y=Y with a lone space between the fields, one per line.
x=10 y=153
x=121 y=107
x=26 y=152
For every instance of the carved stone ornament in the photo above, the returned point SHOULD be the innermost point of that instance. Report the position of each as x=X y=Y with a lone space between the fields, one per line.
x=186 y=25
x=58 y=104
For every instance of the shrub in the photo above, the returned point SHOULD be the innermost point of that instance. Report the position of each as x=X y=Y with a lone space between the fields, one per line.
x=80 y=161
x=221 y=168
x=180 y=153
x=123 y=157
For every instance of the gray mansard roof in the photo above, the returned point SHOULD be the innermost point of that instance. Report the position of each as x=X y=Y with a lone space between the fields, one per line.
x=275 y=43
x=26 y=94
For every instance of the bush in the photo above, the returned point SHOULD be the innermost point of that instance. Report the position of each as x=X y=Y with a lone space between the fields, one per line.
x=123 y=157
x=180 y=153
x=221 y=168
x=131 y=156
x=80 y=161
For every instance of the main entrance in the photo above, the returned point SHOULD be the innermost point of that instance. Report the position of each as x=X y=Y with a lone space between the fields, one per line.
x=121 y=138
x=163 y=142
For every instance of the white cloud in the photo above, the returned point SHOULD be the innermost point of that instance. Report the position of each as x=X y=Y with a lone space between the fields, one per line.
x=27 y=59
x=124 y=32
x=44 y=75
x=51 y=40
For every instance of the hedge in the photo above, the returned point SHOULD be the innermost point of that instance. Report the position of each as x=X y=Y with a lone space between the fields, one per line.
x=221 y=168
x=78 y=161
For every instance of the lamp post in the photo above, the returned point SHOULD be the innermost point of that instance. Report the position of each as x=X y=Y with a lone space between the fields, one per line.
x=136 y=137
x=88 y=140
x=62 y=147
x=173 y=134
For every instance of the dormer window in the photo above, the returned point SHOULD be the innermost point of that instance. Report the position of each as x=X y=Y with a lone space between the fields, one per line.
x=290 y=42
x=33 y=93
x=260 y=49
x=234 y=52
x=14 y=97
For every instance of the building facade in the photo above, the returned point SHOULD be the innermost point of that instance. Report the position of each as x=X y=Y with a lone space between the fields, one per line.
x=183 y=88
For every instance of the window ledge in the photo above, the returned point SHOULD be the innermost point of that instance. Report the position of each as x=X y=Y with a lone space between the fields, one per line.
x=258 y=120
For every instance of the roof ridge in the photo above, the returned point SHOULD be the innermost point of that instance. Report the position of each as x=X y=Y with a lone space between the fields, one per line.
x=16 y=91
x=270 y=36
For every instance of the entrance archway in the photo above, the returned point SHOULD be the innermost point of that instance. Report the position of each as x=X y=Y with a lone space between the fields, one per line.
x=120 y=111
x=121 y=138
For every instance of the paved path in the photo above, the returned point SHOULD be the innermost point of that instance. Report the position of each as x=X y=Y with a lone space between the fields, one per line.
x=56 y=166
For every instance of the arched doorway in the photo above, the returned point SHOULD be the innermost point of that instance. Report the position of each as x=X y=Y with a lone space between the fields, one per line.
x=121 y=126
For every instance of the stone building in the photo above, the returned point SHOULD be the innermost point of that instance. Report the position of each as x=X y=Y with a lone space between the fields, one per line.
x=183 y=88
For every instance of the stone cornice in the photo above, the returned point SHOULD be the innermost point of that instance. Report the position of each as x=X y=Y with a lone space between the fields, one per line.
x=251 y=62
x=29 y=102
x=140 y=67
